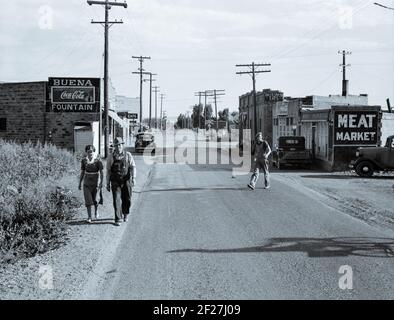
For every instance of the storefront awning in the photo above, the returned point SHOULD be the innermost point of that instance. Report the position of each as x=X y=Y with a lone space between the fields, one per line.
x=124 y=123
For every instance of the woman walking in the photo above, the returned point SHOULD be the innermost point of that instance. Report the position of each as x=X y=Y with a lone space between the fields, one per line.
x=92 y=177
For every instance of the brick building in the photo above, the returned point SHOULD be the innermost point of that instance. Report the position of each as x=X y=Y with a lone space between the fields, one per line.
x=62 y=111
x=266 y=100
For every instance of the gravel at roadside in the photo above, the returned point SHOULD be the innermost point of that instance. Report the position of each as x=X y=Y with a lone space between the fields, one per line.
x=368 y=199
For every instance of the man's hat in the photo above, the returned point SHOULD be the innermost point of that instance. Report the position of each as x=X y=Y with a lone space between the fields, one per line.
x=118 y=141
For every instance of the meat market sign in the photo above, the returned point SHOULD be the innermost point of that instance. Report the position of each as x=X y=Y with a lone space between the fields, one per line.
x=74 y=95
x=356 y=127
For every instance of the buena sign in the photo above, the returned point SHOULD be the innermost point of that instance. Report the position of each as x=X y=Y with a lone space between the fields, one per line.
x=356 y=127
x=74 y=95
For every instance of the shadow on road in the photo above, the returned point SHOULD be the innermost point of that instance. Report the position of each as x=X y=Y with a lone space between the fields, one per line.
x=345 y=177
x=316 y=248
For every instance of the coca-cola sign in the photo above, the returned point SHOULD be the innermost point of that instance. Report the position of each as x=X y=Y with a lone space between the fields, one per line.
x=74 y=95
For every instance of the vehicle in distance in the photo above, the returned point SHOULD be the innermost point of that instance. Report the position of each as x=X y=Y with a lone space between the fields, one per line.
x=145 y=141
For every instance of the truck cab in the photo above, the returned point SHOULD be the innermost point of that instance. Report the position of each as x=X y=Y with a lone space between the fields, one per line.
x=374 y=159
x=291 y=151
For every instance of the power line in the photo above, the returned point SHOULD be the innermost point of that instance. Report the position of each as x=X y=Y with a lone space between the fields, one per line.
x=383 y=6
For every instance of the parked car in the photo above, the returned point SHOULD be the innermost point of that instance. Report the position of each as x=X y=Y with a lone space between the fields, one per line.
x=291 y=151
x=374 y=159
x=145 y=141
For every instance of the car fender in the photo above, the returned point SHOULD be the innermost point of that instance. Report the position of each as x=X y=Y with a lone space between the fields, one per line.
x=375 y=164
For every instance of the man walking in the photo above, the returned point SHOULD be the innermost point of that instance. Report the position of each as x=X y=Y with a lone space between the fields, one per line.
x=121 y=174
x=260 y=151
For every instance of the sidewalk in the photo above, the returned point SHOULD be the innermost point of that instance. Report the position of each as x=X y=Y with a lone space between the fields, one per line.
x=74 y=265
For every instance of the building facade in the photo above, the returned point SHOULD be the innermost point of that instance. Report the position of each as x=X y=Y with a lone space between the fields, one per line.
x=63 y=111
x=287 y=113
x=334 y=134
x=266 y=100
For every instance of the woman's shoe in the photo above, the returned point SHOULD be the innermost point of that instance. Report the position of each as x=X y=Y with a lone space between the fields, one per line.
x=89 y=220
x=96 y=216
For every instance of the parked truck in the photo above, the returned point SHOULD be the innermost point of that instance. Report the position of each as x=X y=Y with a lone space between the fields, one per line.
x=374 y=159
x=291 y=151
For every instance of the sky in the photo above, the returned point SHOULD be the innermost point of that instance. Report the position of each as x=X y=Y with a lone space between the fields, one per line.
x=195 y=45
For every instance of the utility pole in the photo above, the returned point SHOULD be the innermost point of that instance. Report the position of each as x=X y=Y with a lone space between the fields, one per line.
x=205 y=107
x=253 y=73
x=141 y=72
x=215 y=93
x=156 y=90
x=107 y=24
x=345 y=83
x=162 y=95
x=150 y=97
x=199 y=94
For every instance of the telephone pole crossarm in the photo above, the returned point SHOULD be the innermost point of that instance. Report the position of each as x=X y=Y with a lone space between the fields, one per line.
x=108 y=3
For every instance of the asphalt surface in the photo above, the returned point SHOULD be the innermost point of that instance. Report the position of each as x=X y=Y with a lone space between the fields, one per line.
x=198 y=233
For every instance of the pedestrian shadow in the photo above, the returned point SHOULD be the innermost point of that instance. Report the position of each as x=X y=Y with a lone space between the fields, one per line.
x=82 y=222
x=315 y=247
x=346 y=177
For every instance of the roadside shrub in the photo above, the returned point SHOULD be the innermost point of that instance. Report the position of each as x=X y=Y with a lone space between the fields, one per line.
x=33 y=208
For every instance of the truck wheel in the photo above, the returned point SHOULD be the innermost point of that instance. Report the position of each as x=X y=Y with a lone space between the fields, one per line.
x=364 y=169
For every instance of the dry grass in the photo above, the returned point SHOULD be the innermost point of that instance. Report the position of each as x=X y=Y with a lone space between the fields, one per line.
x=33 y=207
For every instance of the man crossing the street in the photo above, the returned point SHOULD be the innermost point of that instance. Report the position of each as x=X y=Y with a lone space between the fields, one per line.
x=261 y=151
x=121 y=174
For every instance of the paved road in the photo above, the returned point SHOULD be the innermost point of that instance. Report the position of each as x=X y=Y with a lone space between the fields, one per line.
x=196 y=233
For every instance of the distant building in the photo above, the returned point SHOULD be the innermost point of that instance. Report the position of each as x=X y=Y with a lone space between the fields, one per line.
x=128 y=109
x=286 y=113
x=266 y=100
x=126 y=104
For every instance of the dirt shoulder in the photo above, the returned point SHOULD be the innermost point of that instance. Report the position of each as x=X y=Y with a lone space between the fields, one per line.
x=370 y=200
x=72 y=270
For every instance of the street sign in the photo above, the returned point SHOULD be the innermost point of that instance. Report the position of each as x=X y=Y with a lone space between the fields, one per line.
x=132 y=116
